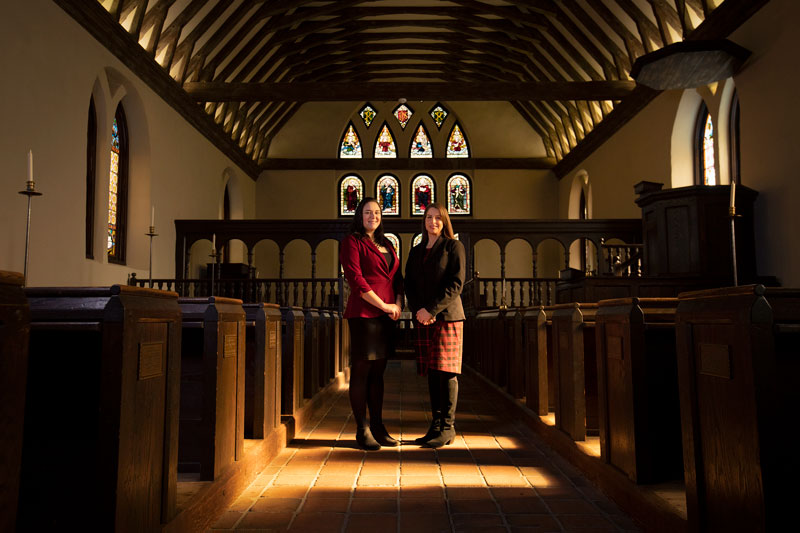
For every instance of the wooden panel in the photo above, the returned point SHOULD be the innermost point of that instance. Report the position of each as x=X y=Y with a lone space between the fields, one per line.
x=292 y=345
x=535 y=354
x=678 y=237
x=311 y=353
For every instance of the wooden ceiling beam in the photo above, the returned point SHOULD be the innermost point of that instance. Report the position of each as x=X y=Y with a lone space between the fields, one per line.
x=488 y=91
x=666 y=16
x=648 y=31
x=622 y=60
x=169 y=37
x=154 y=23
x=632 y=42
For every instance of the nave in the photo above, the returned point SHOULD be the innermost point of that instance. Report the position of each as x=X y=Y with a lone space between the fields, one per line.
x=497 y=476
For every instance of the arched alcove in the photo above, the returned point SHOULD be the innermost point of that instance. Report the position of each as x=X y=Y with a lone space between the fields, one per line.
x=297 y=259
x=549 y=258
x=232 y=189
x=328 y=259
x=266 y=259
x=682 y=143
x=487 y=258
x=519 y=259
x=200 y=256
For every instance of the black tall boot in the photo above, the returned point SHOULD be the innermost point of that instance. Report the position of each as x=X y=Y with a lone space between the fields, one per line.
x=448 y=384
x=434 y=391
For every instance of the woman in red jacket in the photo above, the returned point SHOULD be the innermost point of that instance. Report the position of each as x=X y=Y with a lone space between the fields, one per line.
x=373 y=272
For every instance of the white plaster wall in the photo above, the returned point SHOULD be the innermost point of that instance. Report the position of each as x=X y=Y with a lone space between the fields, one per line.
x=50 y=66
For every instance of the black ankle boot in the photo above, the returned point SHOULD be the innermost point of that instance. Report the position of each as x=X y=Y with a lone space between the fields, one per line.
x=365 y=440
x=444 y=437
x=382 y=436
x=433 y=431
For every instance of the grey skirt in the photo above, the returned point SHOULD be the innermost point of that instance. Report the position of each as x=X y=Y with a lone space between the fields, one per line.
x=371 y=338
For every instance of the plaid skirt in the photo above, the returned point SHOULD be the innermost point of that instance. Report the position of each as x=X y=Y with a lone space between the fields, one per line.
x=439 y=346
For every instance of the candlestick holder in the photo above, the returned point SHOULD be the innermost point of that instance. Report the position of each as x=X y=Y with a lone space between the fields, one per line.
x=733 y=216
x=30 y=191
x=152 y=233
x=213 y=255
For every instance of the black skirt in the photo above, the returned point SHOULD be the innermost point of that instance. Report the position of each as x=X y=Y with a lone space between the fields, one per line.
x=371 y=338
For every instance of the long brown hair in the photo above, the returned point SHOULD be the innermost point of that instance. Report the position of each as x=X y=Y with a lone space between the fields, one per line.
x=447 y=226
x=357 y=226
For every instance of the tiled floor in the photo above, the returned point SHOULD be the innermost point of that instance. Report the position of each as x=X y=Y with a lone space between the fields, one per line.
x=496 y=476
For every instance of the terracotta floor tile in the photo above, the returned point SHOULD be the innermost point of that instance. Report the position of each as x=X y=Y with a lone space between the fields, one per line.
x=265 y=520
x=293 y=480
x=377 y=492
x=468 y=493
x=464 y=481
x=242 y=504
x=476 y=520
x=377 y=481
x=559 y=507
x=285 y=492
x=430 y=492
x=373 y=505
x=424 y=523
x=513 y=492
x=558 y=493
x=506 y=481
x=522 y=505
x=330 y=492
x=422 y=505
x=366 y=523
x=318 y=522
x=585 y=523
x=227 y=520
x=473 y=506
x=421 y=481
x=276 y=505
x=325 y=505
x=344 y=482
x=534 y=522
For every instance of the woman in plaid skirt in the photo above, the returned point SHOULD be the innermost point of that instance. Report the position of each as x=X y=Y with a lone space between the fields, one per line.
x=434 y=278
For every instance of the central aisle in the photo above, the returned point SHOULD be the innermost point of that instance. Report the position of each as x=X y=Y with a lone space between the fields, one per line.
x=496 y=476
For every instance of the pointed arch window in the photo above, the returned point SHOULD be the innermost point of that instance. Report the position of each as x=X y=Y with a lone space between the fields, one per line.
x=91 y=173
x=423 y=193
x=118 y=188
x=421 y=147
x=457 y=143
x=385 y=146
x=395 y=240
x=367 y=114
x=416 y=240
x=438 y=113
x=350 y=147
x=387 y=191
x=403 y=114
x=351 y=191
x=459 y=195
x=705 y=172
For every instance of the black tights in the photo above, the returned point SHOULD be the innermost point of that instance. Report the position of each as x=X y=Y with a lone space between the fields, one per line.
x=366 y=389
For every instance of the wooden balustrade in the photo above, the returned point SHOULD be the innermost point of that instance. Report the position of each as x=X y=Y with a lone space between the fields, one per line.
x=621 y=259
x=486 y=293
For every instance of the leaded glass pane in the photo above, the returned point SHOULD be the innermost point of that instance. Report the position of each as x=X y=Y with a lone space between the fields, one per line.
x=457 y=144
x=421 y=145
x=416 y=240
x=384 y=146
x=351 y=144
x=395 y=240
x=351 y=191
x=422 y=194
x=709 y=172
x=367 y=114
x=459 y=195
x=403 y=114
x=113 y=189
x=439 y=114
x=387 y=192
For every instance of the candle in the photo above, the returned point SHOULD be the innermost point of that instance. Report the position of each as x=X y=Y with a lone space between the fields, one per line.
x=30 y=165
x=152 y=216
x=733 y=194
x=214 y=242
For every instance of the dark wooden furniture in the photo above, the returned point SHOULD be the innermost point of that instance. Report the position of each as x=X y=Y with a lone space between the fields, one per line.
x=532 y=341
x=575 y=369
x=212 y=385
x=738 y=379
x=594 y=289
x=513 y=335
x=292 y=353
x=14 y=332
x=336 y=343
x=101 y=413
x=640 y=431
x=311 y=353
x=324 y=350
x=262 y=409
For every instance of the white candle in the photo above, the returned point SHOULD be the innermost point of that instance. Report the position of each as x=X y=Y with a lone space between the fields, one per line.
x=152 y=216
x=214 y=242
x=30 y=165
x=733 y=193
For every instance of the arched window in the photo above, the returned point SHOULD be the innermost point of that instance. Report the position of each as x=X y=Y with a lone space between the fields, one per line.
x=367 y=114
x=705 y=172
x=350 y=147
x=403 y=114
x=438 y=113
x=118 y=188
x=416 y=240
x=385 y=146
x=421 y=144
x=457 y=145
x=351 y=191
x=387 y=191
x=459 y=195
x=395 y=240
x=423 y=193
x=91 y=173
x=734 y=139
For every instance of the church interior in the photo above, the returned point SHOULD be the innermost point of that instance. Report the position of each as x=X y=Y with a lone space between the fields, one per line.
x=178 y=174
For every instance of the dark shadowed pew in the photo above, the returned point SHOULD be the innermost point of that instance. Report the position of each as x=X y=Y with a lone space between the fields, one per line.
x=336 y=343
x=512 y=339
x=532 y=342
x=212 y=385
x=14 y=331
x=640 y=431
x=324 y=350
x=311 y=353
x=292 y=327
x=262 y=411
x=101 y=414
x=738 y=369
x=575 y=367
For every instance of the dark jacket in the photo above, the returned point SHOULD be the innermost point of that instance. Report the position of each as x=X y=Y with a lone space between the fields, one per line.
x=365 y=269
x=435 y=282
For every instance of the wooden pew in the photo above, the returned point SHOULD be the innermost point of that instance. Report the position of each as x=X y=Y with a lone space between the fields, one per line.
x=212 y=385
x=515 y=360
x=262 y=412
x=640 y=429
x=532 y=342
x=101 y=414
x=738 y=369
x=14 y=332
x=292 y=326
x=575 y=367
x=324 y=349
x=336 y=343
x=311 y=353
x=484 y=326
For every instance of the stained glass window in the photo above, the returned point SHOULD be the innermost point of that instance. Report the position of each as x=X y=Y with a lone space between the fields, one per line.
x=117 y=188
x=459 y=195
x=395 y=240
x=350 y=147
x=423 y=193
x=416 y=240
x=439 y=114
x=709 y=173
x=421 y=144
x=351 y=191
x=403 y=114
x=367 y=114
x=457 y=143
x=384 y=144
x=387 y=191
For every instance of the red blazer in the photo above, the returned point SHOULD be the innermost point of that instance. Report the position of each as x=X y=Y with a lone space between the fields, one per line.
x=365 y=269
